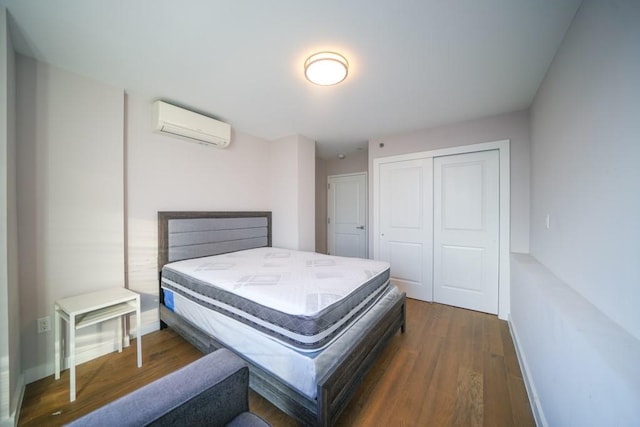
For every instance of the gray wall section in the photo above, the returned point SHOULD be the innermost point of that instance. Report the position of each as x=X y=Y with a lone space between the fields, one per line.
x=17 y=379
x=575 y=302
x=585 y=150
x=581 y=367
x=70 y=201
x=5 y=360
x=12 y=380
x=321 y=206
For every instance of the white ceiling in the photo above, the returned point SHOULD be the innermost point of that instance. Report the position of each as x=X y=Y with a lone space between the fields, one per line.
x=414 y=64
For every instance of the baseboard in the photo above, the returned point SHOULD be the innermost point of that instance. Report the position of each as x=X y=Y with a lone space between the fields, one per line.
x=534 y=401
x=147 y=328
x=12 y=420
x=22 y=385
x=85 y=354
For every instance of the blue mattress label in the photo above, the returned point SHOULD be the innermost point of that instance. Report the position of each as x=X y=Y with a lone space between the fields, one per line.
x=168 y=299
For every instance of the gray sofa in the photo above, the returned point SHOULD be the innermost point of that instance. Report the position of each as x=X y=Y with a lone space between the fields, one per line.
x=212 y=391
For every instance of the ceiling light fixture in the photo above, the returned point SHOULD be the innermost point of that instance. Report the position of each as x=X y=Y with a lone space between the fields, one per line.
x=326 y=68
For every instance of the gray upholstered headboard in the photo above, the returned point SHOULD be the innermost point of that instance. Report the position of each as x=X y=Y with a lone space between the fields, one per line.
x=183 y=235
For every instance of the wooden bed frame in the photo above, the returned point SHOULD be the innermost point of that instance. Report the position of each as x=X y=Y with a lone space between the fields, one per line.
x=335 y=388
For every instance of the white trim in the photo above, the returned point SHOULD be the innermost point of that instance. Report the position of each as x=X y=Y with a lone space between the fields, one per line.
x=22 y=386
x=148 y=327
x=83 y=354
x=366 y=208
x=534 y=401
x=14 y=416
x=340 y=175
x=504 y=278
x=89 y=352
x=504 y=282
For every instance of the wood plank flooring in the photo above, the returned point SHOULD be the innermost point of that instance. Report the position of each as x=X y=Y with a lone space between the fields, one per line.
x=452 y=367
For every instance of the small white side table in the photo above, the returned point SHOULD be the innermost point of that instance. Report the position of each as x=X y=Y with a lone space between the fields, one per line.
x=89 y=309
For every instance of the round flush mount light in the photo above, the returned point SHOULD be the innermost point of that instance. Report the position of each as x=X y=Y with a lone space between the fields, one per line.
x=326 y=68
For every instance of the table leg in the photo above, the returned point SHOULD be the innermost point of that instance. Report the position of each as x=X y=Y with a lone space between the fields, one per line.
x=120 y=322
x=72 y=358
x=138 y=327
x=56 y=341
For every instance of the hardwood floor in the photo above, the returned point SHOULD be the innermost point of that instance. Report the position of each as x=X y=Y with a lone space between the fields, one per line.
x=451 y=367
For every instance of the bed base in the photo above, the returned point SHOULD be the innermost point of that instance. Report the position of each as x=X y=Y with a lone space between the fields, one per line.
x=335 y=389
x=339 y=384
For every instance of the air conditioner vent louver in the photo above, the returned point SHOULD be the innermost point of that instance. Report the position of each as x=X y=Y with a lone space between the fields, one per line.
x=177 y=121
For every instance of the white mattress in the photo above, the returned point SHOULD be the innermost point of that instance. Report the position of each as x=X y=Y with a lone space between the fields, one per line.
x=303 y=299
x=283 y=279
x=299 y=370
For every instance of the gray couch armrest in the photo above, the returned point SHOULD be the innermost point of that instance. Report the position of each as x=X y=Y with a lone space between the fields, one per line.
x=212 y=391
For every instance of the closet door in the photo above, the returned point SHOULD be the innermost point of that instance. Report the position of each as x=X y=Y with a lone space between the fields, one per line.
x=406 y=223
x=466 y=230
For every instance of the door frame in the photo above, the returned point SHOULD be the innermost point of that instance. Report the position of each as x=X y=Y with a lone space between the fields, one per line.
x=504 y=270
x=365 y=207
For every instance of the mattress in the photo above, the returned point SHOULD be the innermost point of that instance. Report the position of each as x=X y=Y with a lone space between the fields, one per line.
x=301 y=371
x=304 y=300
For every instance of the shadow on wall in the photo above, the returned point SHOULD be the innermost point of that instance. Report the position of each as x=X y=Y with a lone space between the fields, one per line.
x=148 y=302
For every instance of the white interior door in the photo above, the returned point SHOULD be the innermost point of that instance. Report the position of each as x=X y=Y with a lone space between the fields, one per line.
x=347 y=213
x=466 y=230
x=406 y=223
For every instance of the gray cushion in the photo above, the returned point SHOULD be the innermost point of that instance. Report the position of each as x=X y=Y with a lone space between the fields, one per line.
x=247 y=419
x=212 y=391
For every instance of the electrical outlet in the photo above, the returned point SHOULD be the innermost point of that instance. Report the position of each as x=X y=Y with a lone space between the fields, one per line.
x=44 y=324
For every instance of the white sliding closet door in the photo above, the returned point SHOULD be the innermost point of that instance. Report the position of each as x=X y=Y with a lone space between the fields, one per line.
x=466 y=230
x=406 y=223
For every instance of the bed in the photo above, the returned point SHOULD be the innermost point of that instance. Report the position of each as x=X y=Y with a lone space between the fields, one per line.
x=309 y=366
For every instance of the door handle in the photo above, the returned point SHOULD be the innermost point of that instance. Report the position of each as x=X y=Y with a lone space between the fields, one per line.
x=361 y=227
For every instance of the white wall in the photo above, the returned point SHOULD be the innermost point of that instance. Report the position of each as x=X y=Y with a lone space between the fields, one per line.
x=512 y=126
x=70 y=201
x=11 y=378
x=293 y=192
x=78 y=138
x=321 y=206
x=284 y=192
x=585 y=151
x=166 y=173
x=5 y=360
x=581 y=368
x=575 y=302
x=306 y=194
x=353 y=162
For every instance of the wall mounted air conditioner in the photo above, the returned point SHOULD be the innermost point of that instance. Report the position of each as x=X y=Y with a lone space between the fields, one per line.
x=174 y=120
